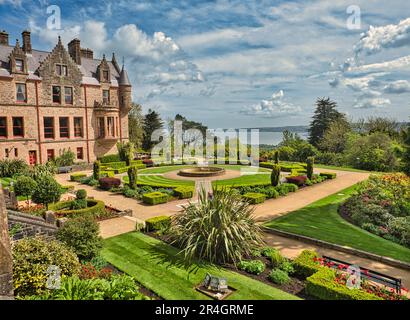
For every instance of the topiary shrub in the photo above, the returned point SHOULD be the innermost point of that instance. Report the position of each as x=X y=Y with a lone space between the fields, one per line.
x=254 y=198
x=275 y=175
x=154 y=198
x=276 y=157
x=82 y=235
x=309 y=167
x=279 y=276
x=47 y=191
x=31 y=259
x=252 y=266
x=81 y=194
x=184 y=192
x=108 y=183
x=25 y=186
x=96 y=169
x=306 y=264
x=157 y=223
x=132 y=177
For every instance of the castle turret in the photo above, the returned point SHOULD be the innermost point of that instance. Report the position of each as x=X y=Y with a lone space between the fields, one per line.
x=125 y=90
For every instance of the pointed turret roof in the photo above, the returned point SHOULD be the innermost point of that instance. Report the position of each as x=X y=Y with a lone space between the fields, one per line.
x=124 y=80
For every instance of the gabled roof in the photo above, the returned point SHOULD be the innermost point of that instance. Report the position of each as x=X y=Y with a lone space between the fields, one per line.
x=88 y=66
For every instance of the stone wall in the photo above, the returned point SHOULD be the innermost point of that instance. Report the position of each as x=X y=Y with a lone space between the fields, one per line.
x=6 y=261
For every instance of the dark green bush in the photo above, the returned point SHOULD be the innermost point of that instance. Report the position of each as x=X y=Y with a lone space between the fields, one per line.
x=81 y=194
x=82 y=235
x=275 y=175
x=279 y=276
x=154 y=198
x=96 y=169
x=8 y=168
x=47 y=190
x=65 y=159
x=25 y=186
x=157 y=223
x=252 y=266
x=309 y=168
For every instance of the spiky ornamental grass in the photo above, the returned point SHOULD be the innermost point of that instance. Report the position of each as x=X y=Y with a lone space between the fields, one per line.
x=219 y=230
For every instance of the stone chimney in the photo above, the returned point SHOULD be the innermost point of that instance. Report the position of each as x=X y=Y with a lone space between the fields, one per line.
x=4 y=38
x=74 y=50
x=26 y=41
x=87 y=53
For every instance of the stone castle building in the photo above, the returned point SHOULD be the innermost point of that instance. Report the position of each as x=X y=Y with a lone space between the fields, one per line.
x=60 y=100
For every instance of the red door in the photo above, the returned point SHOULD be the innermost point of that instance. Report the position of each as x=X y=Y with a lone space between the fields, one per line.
x=32 y=157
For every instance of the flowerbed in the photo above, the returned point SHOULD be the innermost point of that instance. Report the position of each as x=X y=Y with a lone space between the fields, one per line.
x=382 y=206
x=95 y=208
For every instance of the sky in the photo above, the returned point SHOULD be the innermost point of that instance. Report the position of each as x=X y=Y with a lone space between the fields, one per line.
x=238 y=64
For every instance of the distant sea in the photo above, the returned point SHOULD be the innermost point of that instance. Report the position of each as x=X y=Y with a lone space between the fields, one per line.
x=272 y=138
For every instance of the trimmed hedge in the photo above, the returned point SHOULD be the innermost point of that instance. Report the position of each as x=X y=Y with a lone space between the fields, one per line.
x=154 y=198
x=94 y=209
x=305 y=265
x=110 y=158
x=252 y=266
x=254 y=198
x=322 y=285
x=328 y=175
x=77 y=176
x=108 y=183
x=105 y=174
x=289 y=167
x=157 y=223
x=268 y=165
x=184 y=192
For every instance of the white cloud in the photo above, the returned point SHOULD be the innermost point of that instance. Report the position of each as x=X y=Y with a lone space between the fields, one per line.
x=388 y=36
x=151 y=61
x=371 y=103
x=399 y=86
x=275 y=107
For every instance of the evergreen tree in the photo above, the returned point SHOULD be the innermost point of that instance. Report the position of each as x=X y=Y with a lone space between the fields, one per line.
x=275 y=175
x=152 y=122
x=324 y=115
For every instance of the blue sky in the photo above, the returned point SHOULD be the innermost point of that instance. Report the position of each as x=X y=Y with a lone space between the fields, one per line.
x=241 y=63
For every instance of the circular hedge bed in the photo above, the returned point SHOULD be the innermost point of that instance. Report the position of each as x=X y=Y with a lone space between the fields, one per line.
x=95 y=208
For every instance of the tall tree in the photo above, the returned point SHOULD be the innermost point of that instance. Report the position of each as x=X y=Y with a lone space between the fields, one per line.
x=324 y=115
x=152 y=122
x=335 y=137
x=136 y=125
x=406 y=155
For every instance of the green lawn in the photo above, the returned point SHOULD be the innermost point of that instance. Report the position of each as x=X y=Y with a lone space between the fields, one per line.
x=148 y=177
x=323 y=166
x=321 y=220
x=262 y=178
x=157 y=266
